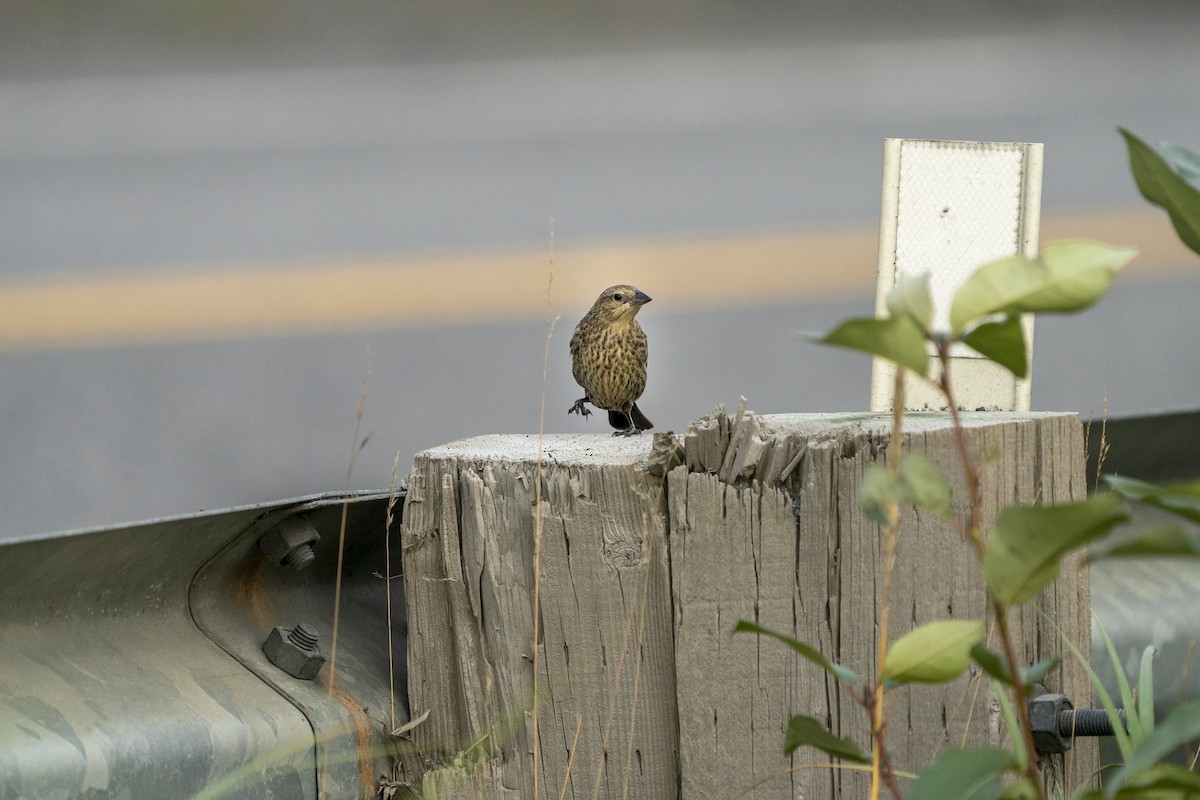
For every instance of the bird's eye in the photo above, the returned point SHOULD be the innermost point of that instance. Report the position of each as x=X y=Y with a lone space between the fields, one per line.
x=618 y=297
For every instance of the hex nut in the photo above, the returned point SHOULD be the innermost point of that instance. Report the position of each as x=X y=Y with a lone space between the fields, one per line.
x=1043 y=719
x=291 y=542
x=287 y=652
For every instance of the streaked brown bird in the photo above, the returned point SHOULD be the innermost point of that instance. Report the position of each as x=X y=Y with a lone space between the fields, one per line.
x=608 y=359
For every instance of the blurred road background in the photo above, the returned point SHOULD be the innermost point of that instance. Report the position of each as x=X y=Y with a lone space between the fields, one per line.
x=212 y=212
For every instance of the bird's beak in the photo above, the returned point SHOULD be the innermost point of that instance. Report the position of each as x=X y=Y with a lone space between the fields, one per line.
x=639 y=299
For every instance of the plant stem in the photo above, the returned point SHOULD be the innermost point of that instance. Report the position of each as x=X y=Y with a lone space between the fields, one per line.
x=970 y=470
x=880 y=763
x=975 y=536
x=1020 y=698
x=881 y=766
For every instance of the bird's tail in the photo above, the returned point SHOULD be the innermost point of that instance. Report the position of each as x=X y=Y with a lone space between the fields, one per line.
x=620 y=420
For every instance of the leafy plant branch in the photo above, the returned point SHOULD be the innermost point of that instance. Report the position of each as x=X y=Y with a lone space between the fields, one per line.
x=1021 y=552
x=985 y=314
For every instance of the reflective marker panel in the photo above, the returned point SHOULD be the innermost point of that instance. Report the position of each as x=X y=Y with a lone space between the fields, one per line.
x=947 y=208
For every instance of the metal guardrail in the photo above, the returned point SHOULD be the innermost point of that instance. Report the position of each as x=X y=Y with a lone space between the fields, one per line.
x=1148 y=602
x=132 y=663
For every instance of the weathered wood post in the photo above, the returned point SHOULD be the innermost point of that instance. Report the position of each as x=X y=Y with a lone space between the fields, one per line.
x=649 y=556
x=607 y=724
x=765 y=525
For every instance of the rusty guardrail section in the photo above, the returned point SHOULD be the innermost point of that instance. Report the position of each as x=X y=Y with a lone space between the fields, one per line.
x=132 y=663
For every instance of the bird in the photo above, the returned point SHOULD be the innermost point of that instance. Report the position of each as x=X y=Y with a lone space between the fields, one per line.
x=608 y=359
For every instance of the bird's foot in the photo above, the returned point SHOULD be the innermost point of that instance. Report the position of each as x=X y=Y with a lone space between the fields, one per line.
x=579 y=408
x=630 y=431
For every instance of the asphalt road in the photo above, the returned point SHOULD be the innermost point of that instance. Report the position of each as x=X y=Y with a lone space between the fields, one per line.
x=152 y=166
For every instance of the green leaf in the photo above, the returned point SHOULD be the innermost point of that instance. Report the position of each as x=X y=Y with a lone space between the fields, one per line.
x=1145 y=695
x=1078 y=273
x=1181 y=499
x=1182 y=725
x=991 y=663
x=992 y=289
x=1027 y=543
x=843 y=674
x=1184 y=161
x=924 y=485
x=1162 y=781
x=807 y=732
x=1002 y=342
x=1130 y=735
x=1071 y=276
x=879 y=490
x=1163 y=187
x=972 y=774
x=1035 y=672
x=1160 y=541
x=921 y=484
x=936 y=652
x=911 y=297
x=995 y=666
x=1021 y=790
x=896 y=339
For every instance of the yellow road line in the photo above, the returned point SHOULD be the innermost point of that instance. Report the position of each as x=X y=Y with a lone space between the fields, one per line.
x=273 y=300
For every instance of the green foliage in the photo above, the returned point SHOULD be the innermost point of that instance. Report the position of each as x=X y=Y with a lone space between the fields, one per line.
x=921 y=483
x=1166 y=539
x=1164 y=187
x=1121 y=736
x=1002 y=342
x=994 y=665
x=1144 y=710
x=1184 y=161
x=805 y=731
x=996 y=668
x=897 y=339
x=1157 y=541
x=1035 y=672
x=911 y=297
x=1160 y=782
x=1181 y=726
x=1181 y=499
x=1023 y=551
x=843 y=674
x=1070 y=277
x=936 y=652
x=991 y=663
x=1027 y=543
x=972 y=774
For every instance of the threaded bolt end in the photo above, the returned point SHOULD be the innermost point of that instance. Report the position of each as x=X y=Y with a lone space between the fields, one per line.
x=1087 y=722
x=301 y=557
x=304 y=636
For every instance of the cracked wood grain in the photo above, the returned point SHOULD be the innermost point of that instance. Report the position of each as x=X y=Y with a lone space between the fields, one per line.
x=754 y=517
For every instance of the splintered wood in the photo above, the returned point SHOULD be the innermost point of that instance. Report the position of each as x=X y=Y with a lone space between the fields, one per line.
x=651 y=551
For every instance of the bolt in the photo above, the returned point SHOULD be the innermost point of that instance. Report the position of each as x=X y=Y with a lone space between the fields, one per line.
x=304 y=636
x=1055 y=722
x=291 y=543
x=300 y=558
x=1088 y=722
x=1044 y=711
x=295 y=651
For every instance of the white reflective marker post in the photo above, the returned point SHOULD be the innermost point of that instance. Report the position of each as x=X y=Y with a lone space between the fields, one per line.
x=949 y=207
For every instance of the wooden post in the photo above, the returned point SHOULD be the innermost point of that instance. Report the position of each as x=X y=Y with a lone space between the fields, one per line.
x=650 y=555
x=606 y=680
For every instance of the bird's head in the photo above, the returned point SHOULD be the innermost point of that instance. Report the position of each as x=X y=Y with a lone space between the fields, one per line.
x=620 y=303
